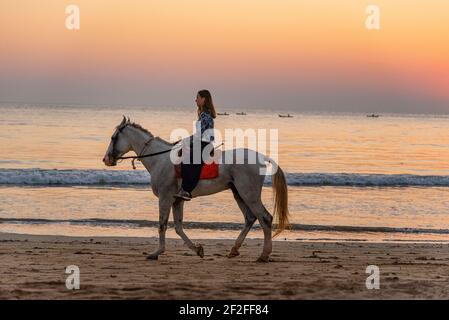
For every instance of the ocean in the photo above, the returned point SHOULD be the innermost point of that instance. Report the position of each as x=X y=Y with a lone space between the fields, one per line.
x=350 y=177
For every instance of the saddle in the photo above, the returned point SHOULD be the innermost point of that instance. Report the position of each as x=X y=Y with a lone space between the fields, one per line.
x=208 y=171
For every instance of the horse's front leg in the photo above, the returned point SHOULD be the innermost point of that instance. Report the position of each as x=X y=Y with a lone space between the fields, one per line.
x=178 y=212
x=164 y=212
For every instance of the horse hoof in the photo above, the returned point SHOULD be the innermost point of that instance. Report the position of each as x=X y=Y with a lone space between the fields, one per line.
x=152 y=257
x=200 y=251
x=263 y=259
x=233 y=253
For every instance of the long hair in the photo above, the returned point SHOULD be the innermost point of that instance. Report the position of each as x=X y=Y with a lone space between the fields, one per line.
x=208 y=103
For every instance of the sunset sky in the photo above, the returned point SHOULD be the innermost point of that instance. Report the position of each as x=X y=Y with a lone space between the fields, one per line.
x=289 y=54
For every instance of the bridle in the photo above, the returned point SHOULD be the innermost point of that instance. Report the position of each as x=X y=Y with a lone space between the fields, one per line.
x=114 y=139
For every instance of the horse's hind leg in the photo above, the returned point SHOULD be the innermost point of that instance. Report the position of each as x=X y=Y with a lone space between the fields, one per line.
x=265 y=221
x=252 y=199
x=250 y=218
x=178 y=213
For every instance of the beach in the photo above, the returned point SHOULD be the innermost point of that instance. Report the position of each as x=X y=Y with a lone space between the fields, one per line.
x=34 y=267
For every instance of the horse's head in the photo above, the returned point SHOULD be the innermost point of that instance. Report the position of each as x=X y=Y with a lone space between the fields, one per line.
x=118 y=146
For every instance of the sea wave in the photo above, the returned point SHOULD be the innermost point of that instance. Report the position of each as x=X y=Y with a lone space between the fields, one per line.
x=88 y=177
x=206 y=225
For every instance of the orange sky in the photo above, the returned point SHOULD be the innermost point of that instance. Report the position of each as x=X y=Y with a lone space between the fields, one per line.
x=289 y=45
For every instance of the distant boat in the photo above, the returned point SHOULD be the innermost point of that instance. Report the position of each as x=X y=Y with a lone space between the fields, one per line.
x=241 y=113
x=223 y=114
x=372 y=115
x=288 y=115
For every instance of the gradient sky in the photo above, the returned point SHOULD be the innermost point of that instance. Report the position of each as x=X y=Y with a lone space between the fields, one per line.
x=290 y=54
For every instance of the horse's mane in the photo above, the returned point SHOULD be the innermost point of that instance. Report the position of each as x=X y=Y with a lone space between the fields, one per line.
x=139 y=127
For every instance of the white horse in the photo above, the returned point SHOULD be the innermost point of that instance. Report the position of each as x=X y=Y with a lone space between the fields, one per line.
x=244 y=180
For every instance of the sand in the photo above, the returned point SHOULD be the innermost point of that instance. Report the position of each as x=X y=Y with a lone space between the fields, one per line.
x=33 y=267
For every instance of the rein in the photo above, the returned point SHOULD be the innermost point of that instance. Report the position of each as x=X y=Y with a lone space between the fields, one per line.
x=140 y=156
x=147 y=155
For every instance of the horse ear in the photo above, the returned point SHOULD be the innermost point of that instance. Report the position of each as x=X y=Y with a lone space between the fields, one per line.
x=123 y=121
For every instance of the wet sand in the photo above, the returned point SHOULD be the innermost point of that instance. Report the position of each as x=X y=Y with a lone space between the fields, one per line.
x=33 y=267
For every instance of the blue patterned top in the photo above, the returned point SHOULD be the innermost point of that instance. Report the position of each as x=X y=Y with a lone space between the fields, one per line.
x=206 y=122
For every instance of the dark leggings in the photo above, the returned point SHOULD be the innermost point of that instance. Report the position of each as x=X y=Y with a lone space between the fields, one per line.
x=190 y=172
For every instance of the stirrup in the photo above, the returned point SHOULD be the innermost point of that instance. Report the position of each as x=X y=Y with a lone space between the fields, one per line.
x=182 y=194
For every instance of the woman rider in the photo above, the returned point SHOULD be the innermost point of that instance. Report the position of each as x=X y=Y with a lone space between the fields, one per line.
x=191 y=170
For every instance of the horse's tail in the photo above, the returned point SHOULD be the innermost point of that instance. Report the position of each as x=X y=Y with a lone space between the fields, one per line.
x=280 y=211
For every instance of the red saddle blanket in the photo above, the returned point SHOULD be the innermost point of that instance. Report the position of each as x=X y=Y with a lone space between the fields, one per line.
x=208 y=171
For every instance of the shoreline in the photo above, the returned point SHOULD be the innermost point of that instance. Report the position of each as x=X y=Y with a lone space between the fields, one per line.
x=255 y=236
x=33 y=267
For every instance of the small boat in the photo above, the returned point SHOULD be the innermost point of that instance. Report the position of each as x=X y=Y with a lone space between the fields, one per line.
x=288 y=115
x=222 y=113
x=372 y=115
x=241 y=113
